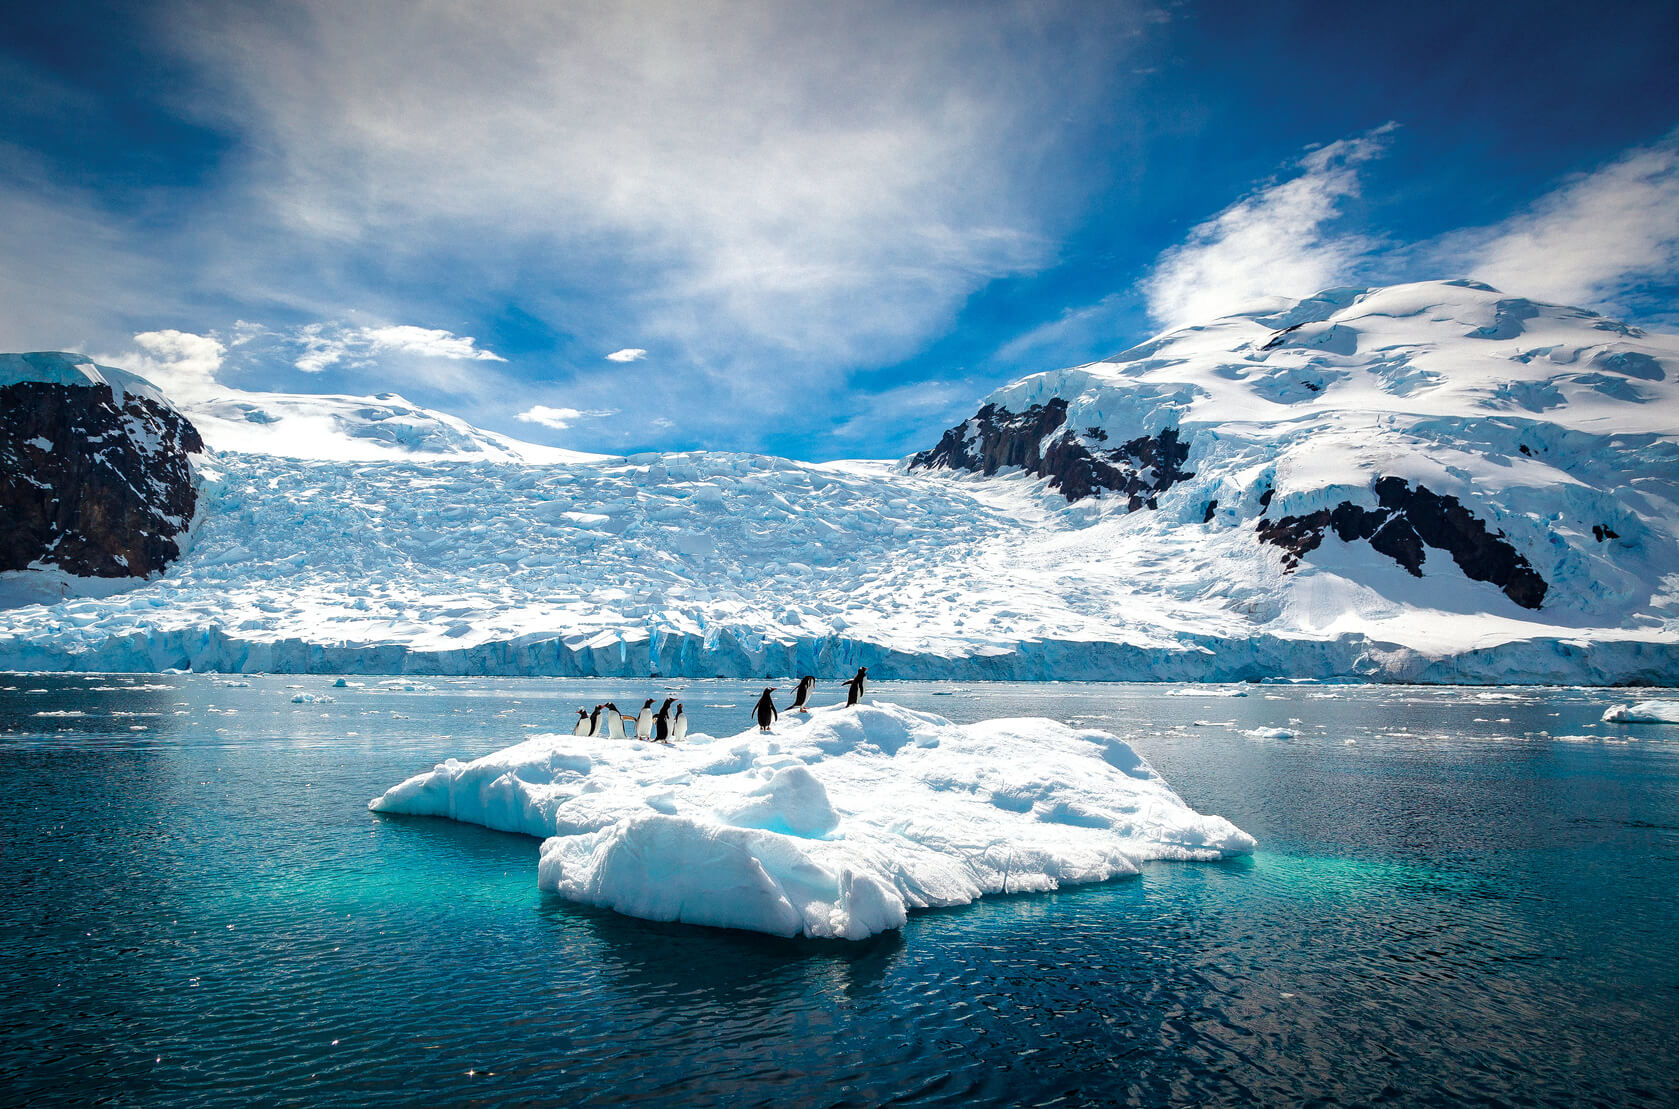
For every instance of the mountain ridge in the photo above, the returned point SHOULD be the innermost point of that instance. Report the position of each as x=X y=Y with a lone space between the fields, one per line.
x=1257 y=528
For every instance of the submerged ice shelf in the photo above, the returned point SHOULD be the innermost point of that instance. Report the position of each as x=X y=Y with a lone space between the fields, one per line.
x=834 y=827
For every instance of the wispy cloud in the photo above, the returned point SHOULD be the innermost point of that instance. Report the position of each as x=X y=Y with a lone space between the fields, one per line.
x=561 y=418
x=329 y=344
x=744 y=181
x=1280 y=240
x=628 y=354
x=1593 y=240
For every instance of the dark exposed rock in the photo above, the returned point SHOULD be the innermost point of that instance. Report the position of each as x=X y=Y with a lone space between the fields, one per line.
x=1074 y=463
x=1207 y=513
x=97 y=486
x=1296 y=535
x=1603 y=531
x=1406 y=521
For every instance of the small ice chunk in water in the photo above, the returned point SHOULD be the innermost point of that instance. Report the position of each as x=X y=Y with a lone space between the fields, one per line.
x=1644 y=712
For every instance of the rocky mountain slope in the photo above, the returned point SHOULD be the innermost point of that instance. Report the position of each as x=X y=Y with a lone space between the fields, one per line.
x=95 y=479
x=1431 y=482
x=1532 y=445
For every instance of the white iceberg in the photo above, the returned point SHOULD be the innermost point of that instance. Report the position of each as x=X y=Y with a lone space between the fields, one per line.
x=1644 y=712
x=835 y=827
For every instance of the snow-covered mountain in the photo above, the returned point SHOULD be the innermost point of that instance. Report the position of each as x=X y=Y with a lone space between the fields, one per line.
x=1429 y=482
x=95 y=478
x=386 y=427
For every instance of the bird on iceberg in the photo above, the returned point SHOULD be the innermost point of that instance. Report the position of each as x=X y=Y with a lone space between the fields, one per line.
x=765 y=711
x=614 y=722
x=644 y=720
x=594 y=721
x=582 y=726
x=679 y=726
x=801 y=695
x=854 y=687
x=661 y=722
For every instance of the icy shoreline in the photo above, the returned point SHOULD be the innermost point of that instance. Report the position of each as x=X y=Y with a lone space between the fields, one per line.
x=834 y=827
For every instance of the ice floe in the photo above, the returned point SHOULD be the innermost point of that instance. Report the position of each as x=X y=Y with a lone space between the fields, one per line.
x=1644 y=712
x=835 y=827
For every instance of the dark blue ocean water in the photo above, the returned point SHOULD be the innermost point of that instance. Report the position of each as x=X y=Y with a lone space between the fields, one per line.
x=1452 y=904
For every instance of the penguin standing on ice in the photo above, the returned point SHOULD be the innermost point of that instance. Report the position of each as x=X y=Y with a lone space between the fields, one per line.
x=679 y=726
x=614 y=722
x=801 y=695
x=582 y=725
x=765 y=711
x=594 y=722
x=854 y=687
x=644 y=721
x=661 y=723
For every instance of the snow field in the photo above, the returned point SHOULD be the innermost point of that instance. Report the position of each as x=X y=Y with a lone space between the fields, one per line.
x=834 y=827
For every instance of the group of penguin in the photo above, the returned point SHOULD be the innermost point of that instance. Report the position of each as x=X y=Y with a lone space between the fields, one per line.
x=606 y=722
x=664 y=726
x=765 y=712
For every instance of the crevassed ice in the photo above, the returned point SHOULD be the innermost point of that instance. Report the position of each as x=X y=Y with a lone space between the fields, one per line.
x=835 y=827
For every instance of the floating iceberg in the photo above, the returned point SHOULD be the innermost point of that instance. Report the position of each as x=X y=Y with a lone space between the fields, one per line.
x=1644 y=712
x=835 y=827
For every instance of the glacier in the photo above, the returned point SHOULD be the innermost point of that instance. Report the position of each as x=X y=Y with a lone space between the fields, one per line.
x=358 y=547
x=834 y=827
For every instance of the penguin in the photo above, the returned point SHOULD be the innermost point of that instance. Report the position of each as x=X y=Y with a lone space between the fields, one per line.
x=582 y=725
x=594 y=722
x=644 y=720
x=661 y=723
x=614 y=722
x=854 y=687
x=765 y=711
x=801 y=695
x=679 y=726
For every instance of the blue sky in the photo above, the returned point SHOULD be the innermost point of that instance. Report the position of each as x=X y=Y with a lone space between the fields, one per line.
x=811 y=229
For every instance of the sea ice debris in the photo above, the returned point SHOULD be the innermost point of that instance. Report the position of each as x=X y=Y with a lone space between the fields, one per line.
x=1644 y=712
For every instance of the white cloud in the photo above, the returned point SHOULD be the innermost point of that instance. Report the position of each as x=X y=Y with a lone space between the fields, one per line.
x=325 y=345
x=178 y=362
x=1277 y=241
x=561 y=418
x=1590 y=241
x=628 y=354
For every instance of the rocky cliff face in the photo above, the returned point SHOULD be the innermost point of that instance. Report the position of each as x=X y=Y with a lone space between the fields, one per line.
x=1075 y=462
x=94 y=471
x=1405 y=521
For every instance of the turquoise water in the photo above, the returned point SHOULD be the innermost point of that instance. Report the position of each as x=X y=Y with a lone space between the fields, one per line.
x=1472 y=902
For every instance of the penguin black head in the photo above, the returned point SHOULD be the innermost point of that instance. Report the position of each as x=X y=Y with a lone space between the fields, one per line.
x=647 y=704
